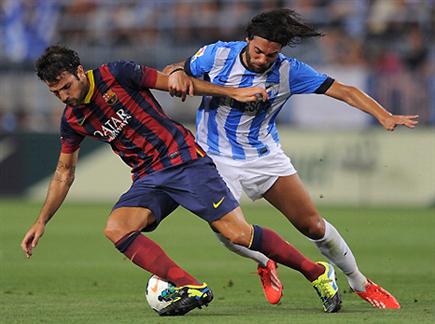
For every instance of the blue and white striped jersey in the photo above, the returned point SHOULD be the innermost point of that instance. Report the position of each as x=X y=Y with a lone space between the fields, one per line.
x=242 y=131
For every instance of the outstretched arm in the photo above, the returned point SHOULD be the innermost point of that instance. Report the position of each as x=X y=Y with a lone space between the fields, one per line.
x=358 y=99
x=179 y=84
x=57 y=190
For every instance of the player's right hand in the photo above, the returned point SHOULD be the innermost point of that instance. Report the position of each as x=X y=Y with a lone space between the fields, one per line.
x=31 y=238
x=180 y=85
x=251 y=94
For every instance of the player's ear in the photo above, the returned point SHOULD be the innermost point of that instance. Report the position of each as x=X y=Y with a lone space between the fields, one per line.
x=81 y=71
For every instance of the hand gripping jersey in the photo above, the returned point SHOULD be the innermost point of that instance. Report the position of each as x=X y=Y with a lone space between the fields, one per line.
x=238 y=130
x=120 y=110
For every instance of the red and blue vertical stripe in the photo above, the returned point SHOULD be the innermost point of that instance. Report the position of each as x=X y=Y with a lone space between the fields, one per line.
x=122 y=111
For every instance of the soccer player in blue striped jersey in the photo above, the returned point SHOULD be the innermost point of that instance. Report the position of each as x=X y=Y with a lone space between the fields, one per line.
x=243 y=141
x=113 y=104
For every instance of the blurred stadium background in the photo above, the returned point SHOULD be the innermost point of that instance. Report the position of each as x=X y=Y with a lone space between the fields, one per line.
x=386 y=47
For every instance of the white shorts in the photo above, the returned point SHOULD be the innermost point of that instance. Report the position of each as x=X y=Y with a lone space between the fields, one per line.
x=254 y=177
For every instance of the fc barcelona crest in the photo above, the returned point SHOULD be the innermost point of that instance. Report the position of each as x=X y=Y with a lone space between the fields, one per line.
x=110 y=97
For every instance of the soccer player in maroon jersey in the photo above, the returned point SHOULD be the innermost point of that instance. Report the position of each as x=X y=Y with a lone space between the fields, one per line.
x=113 y=104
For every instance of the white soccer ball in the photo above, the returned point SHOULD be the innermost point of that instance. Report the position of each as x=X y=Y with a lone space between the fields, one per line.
x=153 y=293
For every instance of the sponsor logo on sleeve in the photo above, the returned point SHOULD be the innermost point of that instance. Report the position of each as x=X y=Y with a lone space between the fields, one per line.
x=199 y=53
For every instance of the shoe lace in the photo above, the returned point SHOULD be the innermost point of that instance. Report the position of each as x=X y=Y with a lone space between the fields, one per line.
x=323 y=286
x=264 y=274
x=379 y=291
x=169 y=294
x=262 y=271
x=268 y=277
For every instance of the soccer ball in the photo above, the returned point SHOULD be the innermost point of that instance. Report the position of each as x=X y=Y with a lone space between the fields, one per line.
x=153 y=293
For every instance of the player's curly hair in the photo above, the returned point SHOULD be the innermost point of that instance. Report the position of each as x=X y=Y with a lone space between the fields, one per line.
x=55 y=60
x=283 y=26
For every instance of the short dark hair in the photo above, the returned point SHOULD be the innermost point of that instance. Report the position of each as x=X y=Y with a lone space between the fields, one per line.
x=283 y=26
x=54 y=61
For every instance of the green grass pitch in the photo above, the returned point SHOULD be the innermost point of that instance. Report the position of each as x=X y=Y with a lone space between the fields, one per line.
x=76 y=275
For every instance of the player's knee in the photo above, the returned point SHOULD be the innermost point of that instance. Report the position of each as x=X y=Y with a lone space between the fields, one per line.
x=113 y=231
x=239 y=238
x=314 y=227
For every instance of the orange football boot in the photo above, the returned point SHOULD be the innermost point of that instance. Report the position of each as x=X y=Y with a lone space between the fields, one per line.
x=378 y=297
x=272 y=286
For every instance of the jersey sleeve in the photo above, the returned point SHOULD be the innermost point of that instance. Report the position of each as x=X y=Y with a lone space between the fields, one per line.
x=202 y=61
x=304 y=79
x=69 y=139
x=133 y=75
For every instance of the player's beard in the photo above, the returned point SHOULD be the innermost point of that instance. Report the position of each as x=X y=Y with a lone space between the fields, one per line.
x=255 y=68
x=84 y=89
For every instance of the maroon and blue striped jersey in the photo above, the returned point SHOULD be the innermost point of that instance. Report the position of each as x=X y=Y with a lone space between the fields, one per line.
x=119 y=109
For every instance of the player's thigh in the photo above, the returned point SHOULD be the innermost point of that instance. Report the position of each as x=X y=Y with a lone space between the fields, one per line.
x=199 y=188
x=234 y=227
x=259 y=175
x=231 y=173
x=144 y=204
x=124 y=220
x=289 y=195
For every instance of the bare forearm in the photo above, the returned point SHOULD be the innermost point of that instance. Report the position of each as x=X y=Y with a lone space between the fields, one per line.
x=364 y=102
x=203 y=88
x=179 y=84
x=358 y=99
x=57 y=191
x=200 y=87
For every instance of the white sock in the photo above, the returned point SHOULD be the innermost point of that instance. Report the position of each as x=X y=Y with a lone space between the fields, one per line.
x=333 y=246
x=258 y=257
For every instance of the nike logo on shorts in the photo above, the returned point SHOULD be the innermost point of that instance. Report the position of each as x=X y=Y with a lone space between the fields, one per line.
x=217 y=204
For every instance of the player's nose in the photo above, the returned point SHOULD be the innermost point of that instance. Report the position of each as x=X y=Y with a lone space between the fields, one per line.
x=64 y=97
x=262 y=60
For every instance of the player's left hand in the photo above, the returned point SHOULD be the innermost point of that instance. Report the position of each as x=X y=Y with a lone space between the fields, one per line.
x=252 y=94
x=391 y=122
